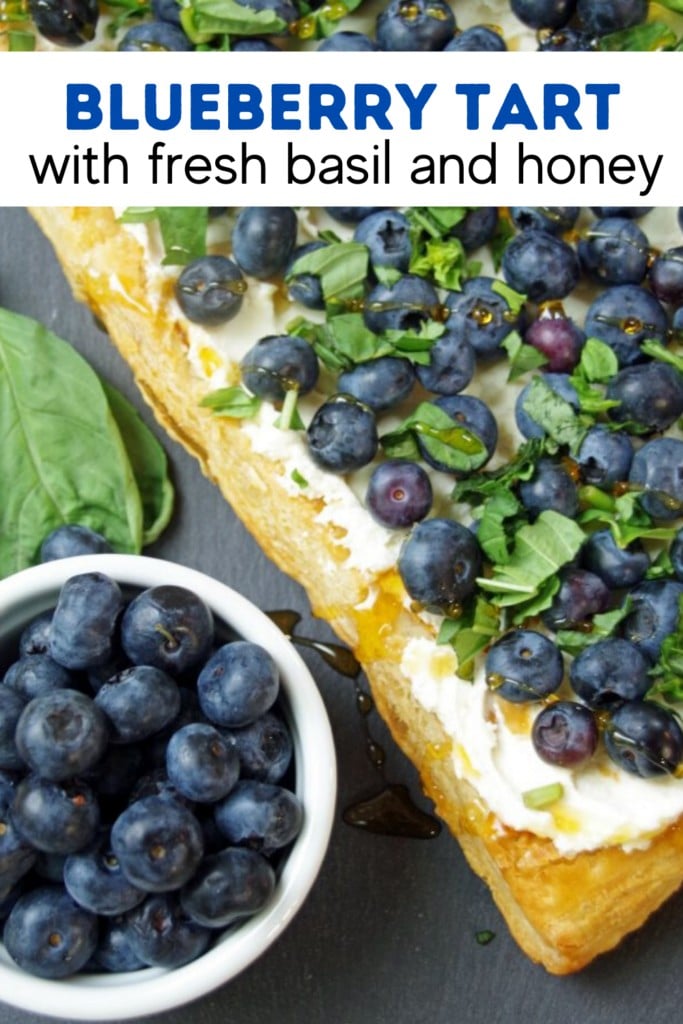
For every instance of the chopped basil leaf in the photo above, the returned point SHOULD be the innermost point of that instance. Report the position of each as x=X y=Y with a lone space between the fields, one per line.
x=183 y=229
x=445 y=440
x=522 y=357
x=495 y=530
x=480 y=486
x=202 y=18
x=543 y=796
x=233 y=402
x=598 y=362
x=290 y=418
x=341 y=266
x=344 y=341
x=298 y=479
x=624 y=515
x=657 y=351
x=603 y=625
x=505 y=231
x=553 y=414
x=668 y=671
x=19 y=41
x=514 y=299
x=442 y=260
x=484 y=936
x=470 y=634
x=652 y=35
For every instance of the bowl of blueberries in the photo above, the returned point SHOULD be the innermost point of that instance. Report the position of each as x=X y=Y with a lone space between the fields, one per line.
x=167 y=785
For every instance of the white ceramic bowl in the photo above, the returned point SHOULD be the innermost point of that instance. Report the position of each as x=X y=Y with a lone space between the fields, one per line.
x=121 y=996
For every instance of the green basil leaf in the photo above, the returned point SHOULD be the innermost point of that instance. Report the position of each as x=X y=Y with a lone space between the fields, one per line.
x=341 y=266
x=149 y=464
x=20 y=42
x=442 y=260
x=480 y=486
x=62 y=458
x=603 y=625
x=183 y=229
x=227 y=17
x=656 y=350
x=470 y=634
x=514 y=299
x=233 y=402
x=445 y=440
x=523 y=358
x=493 y=532
x=553 y=414
x=598 y=362
x=651 y=35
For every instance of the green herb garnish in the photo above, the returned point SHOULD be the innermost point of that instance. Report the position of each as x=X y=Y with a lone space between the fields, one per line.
x=543 y=796
x=342 y=268
x=668 y=671
x=451 y=444
x=183 y=229
x=233 y=402
x=471 y=633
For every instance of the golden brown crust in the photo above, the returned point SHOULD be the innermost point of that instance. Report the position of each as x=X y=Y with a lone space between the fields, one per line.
x=562 y=911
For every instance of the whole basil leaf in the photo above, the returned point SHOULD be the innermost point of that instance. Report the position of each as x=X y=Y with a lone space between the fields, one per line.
x=62 y=459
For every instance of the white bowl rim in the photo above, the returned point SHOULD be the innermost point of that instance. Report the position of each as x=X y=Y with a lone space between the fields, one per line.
x=95 y=997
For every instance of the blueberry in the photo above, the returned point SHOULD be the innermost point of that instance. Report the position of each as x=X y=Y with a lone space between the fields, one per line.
x=55 y=817
x=48 y=935
x=167 y=10
x=654 y=615
x=403 y=306
x=138 y=702
x=35 y=637
x=210 y=290
x=623 y=316
x=386 y=233
x=582 y=595
x=169 y=627
x=278 y=363
x=415 y=25
x=451 y=364
x=229 y=886
x=473 y=415
x=439 y=563
x=113 y=952
x=11 y=706
x=117 y=771
x=350 y=214
x=553 y=219
x=605 y=457
x=379 y=383
x=543 y=13
x=356 y=41
x=615 y=251
x=259 y=815
x=65 y=22
x=550 y=487
x=17 y=854
x=481 y=315
x=36 y=674
x=284 y=9
x=676 y=555
x=263 y=239
x=94 y=879
x=158 y=844
x=161 y=934
x=264 y=748
x=155 y=37
x=201 y=763
x=557 y=338
x=565 y=40
x=524 y=665
x=650 y=395
x=600 y=17
x=253 y=44
x=342 y=435
x=399 y=493
x=479 y=225
x=305 y=288
x=238 y=683
x=477 y=38
x=83 y=623
x=561 y=385
x=540 y=265
x=658 y=468
x=61 y=734
x=618 y=567
x=72 y=539
x=608 y=672
x=666 y=276
x=634 y=212
x=644 y=738
x=565 y=733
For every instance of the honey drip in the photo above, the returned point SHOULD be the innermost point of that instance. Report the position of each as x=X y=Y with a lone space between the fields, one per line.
x=391 y=811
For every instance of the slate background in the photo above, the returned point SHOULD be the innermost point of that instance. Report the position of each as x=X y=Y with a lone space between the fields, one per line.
x=388 y=934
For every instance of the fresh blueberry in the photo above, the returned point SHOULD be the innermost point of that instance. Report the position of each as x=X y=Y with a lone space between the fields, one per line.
x=264 y=748
x=72 y=539
x=565 y=733
x=278 y=363
x=650 y=395
x=35 y=637
x=356 y=41
x=83 y=623
x=138 y=702
x=657 y=467
x=17 y=854
x=210 y=290
x=350 y=214
x=403 y=306
x=284 y=9
x=550 y=487
x=605 y=457
x=253 y=44
x=342 y=435
x=379 y=383
x=263 y=239
x=600 y=17
x=169 y=627
x=451 y=364
x=524 y=665
x=158 y=844
x=644 y=738
x=399 y=493
x=666 y=276
x=618 y=567
x=439 y=563
x=558 y=339
x=479 y=225
x=49 y=935
x=653 y=616
x=608 y=672
x=238 y=683
x=582 y=595
x=11 y=706
x=540 y=265
x=469 y=412
x=304 y=287
x=94 y=879
x=418 y=25
x=477 y=38
x=55 y=817
x=36 y=674
x=386 y=233
x=116 y=773
x=676 y=555
x=113 y=952
x=65 y=22
x=201 y=763
x=229 y=886
x=155 y=37
x=634 y=212
x=565 y=40
x=161 y=934
x=481 y=315
x=615 y=251
x=61 y=734
x=259 y=815
x=623 y=316
x=543 y=13
x=561 y=385
x=167 y=10
x=553 y=219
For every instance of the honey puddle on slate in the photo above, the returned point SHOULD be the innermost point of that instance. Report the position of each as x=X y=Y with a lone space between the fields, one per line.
x=391 y=811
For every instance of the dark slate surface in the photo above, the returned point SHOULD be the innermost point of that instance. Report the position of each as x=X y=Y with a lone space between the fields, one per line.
x=388 y=935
